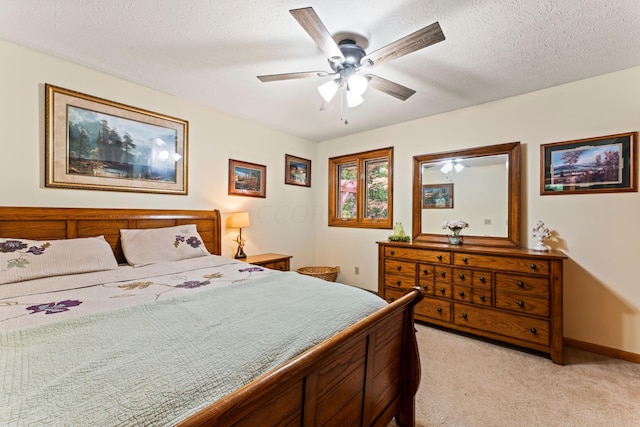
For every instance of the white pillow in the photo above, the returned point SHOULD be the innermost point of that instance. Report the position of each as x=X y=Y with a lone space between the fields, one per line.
x=154 y=245
x=22 y=259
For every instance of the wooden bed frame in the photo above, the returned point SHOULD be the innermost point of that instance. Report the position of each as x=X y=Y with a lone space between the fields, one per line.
x=363 y=376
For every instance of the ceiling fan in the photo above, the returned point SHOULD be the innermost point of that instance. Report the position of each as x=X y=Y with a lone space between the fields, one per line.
x=347 y=58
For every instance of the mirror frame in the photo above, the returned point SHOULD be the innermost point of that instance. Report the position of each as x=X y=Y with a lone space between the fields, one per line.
x=513 y=203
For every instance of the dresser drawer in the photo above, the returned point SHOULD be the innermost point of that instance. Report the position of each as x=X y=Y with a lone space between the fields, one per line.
x=390 y=295
x=442 y=290
x=510 y=325
x=399 y=281
x=528 y=285
x=435 y=309
x=279 y=265
x=461 y=293
x=443 y=274
x=481 y=296
x=523 y=304
x=462 y=276
x=521 y=265
x=481 y=279
x=419 y=254
x=400 y=268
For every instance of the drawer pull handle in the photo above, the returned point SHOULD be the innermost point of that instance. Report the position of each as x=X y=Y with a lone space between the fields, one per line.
x=461 y=276
x=442 y=273
x=393 y=252
x=439 y=257
x=481 y=297
x=398 y=282
x=399 y=267
x=520 y=303
x=426 y=288
x=520 y=284
x=465 y=260
x=461 y=293
x=392 y=299
x=425 y=271
x=443 y=290
x=280 y=267
x=482 y=279
x=533 y=266
x=533 y=330
x=464 y=315
x=439 y=309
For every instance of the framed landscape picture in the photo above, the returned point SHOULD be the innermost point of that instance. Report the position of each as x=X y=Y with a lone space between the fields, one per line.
x=604 y=164
x=297 y=171
x=96 y=144
x=437 y=196
x=247 y=179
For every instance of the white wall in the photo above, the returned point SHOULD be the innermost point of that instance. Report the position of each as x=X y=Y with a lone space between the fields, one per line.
x=283 y=222
x=599 y=232
x=602 y=294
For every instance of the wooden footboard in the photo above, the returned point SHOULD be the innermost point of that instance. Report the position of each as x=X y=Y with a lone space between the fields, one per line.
x=364 y=376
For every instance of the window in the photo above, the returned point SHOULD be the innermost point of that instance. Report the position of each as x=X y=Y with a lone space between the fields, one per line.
x=361 y=189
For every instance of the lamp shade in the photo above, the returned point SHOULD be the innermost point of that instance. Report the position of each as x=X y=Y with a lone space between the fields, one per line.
x=239 y=220
x=328 y=90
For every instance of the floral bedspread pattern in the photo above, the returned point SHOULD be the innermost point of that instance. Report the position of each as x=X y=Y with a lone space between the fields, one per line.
x=168 y=345
x=23 y=304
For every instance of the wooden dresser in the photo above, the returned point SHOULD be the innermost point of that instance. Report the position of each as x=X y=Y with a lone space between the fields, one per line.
x=506 y=294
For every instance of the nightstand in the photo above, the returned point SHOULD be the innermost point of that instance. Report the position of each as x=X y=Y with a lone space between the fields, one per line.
x=272 y=261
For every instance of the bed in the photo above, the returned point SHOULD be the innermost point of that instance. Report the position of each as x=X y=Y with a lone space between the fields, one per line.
x=364 y=372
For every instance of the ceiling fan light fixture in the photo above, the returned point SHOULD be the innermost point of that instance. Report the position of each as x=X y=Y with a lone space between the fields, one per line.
x=357 y=84
x=353 y=99
x=328 y=90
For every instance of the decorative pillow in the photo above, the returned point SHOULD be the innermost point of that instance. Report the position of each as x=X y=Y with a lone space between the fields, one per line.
x=22 y=259
x=154 y=245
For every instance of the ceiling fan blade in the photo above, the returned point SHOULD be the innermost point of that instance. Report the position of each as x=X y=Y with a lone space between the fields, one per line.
x=290 y=76
x=390 y=88
x=427 y=36
x=312 y=24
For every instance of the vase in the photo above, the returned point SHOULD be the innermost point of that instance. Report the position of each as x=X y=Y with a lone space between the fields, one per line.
x=455 y=238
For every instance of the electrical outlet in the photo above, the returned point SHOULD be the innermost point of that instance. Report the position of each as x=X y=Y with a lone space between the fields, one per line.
x=357 y=270
x=487 y=221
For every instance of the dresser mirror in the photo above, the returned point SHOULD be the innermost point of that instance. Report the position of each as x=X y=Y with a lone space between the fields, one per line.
x=480 y=186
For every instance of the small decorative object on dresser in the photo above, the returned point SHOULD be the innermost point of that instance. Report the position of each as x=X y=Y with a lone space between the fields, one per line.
x=540 y=232
x=455 y=227
x=399 y=234
x=506 y=294
x=271 y=261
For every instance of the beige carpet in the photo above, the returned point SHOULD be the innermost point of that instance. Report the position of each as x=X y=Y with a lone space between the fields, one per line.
x=467 y=382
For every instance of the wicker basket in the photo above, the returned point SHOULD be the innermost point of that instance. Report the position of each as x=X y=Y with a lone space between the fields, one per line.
x=330 y=274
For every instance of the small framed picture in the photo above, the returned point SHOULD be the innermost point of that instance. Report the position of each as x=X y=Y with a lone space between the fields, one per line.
x=297 y=171
x=437 y=196
x=603 y=164
x=247 y=179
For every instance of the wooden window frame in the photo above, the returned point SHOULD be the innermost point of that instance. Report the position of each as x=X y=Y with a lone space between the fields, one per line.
x=359 y=159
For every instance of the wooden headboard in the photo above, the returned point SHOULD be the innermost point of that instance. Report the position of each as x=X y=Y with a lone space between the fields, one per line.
x=43 y=223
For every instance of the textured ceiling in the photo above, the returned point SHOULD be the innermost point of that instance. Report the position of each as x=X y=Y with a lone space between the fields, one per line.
x=210 y=51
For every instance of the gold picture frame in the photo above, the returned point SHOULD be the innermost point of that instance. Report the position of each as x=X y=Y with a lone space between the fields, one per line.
x=97 y=144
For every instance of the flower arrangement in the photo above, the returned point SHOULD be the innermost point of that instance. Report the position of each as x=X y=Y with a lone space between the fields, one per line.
x=455 y=226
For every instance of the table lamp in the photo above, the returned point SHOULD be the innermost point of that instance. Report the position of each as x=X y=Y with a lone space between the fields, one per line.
x=240 y=220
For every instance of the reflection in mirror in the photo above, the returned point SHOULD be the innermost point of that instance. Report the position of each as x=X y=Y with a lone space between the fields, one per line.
x=480 y=186
x=474 y=190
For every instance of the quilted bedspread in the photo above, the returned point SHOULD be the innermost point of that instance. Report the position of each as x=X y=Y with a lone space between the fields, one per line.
x=152 y=350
